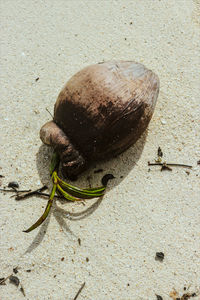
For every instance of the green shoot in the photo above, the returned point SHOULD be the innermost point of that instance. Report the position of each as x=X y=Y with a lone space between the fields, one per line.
x=69 y=191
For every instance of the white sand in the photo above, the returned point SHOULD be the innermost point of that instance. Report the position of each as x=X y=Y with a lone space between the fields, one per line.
x=143 y=212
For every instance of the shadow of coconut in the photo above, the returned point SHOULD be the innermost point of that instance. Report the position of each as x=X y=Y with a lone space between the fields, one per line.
x=119 y=166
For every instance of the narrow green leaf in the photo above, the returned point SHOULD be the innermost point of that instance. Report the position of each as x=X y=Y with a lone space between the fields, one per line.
x=95 y=192
x=80 y=194
x=46 y=212
x=66 y=195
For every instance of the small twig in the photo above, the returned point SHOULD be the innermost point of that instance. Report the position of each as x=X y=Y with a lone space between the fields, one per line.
x=79 y=291
x=168 y=164
x=47 y=195
x=49 y=112
x=19 y=197
x=37 y=193
x=15 y=191
x=22 y=290
x=4 y=279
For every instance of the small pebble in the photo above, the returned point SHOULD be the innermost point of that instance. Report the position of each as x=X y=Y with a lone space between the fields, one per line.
x=106 y=178
x=159 y=256
x=14 y=280
x=159 y=297
x=163 y=122
x=194 y=295
x=15 y=270
x=13 y=185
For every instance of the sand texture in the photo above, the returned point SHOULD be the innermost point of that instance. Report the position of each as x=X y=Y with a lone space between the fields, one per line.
x=144 y=210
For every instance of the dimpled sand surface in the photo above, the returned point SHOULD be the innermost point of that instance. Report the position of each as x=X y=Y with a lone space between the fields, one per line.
x=145 y=211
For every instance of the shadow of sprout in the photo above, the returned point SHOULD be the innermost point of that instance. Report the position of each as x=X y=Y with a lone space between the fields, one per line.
x=61 y=215
x=119 y=166
x=40 y=236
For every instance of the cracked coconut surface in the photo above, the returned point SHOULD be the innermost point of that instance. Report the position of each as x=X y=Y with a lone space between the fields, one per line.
x=142 y=213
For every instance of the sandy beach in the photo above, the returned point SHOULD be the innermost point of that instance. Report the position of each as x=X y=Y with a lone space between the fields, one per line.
x=110 y=244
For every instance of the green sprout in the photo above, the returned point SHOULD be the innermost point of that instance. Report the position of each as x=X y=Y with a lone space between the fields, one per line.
x=70 y=192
